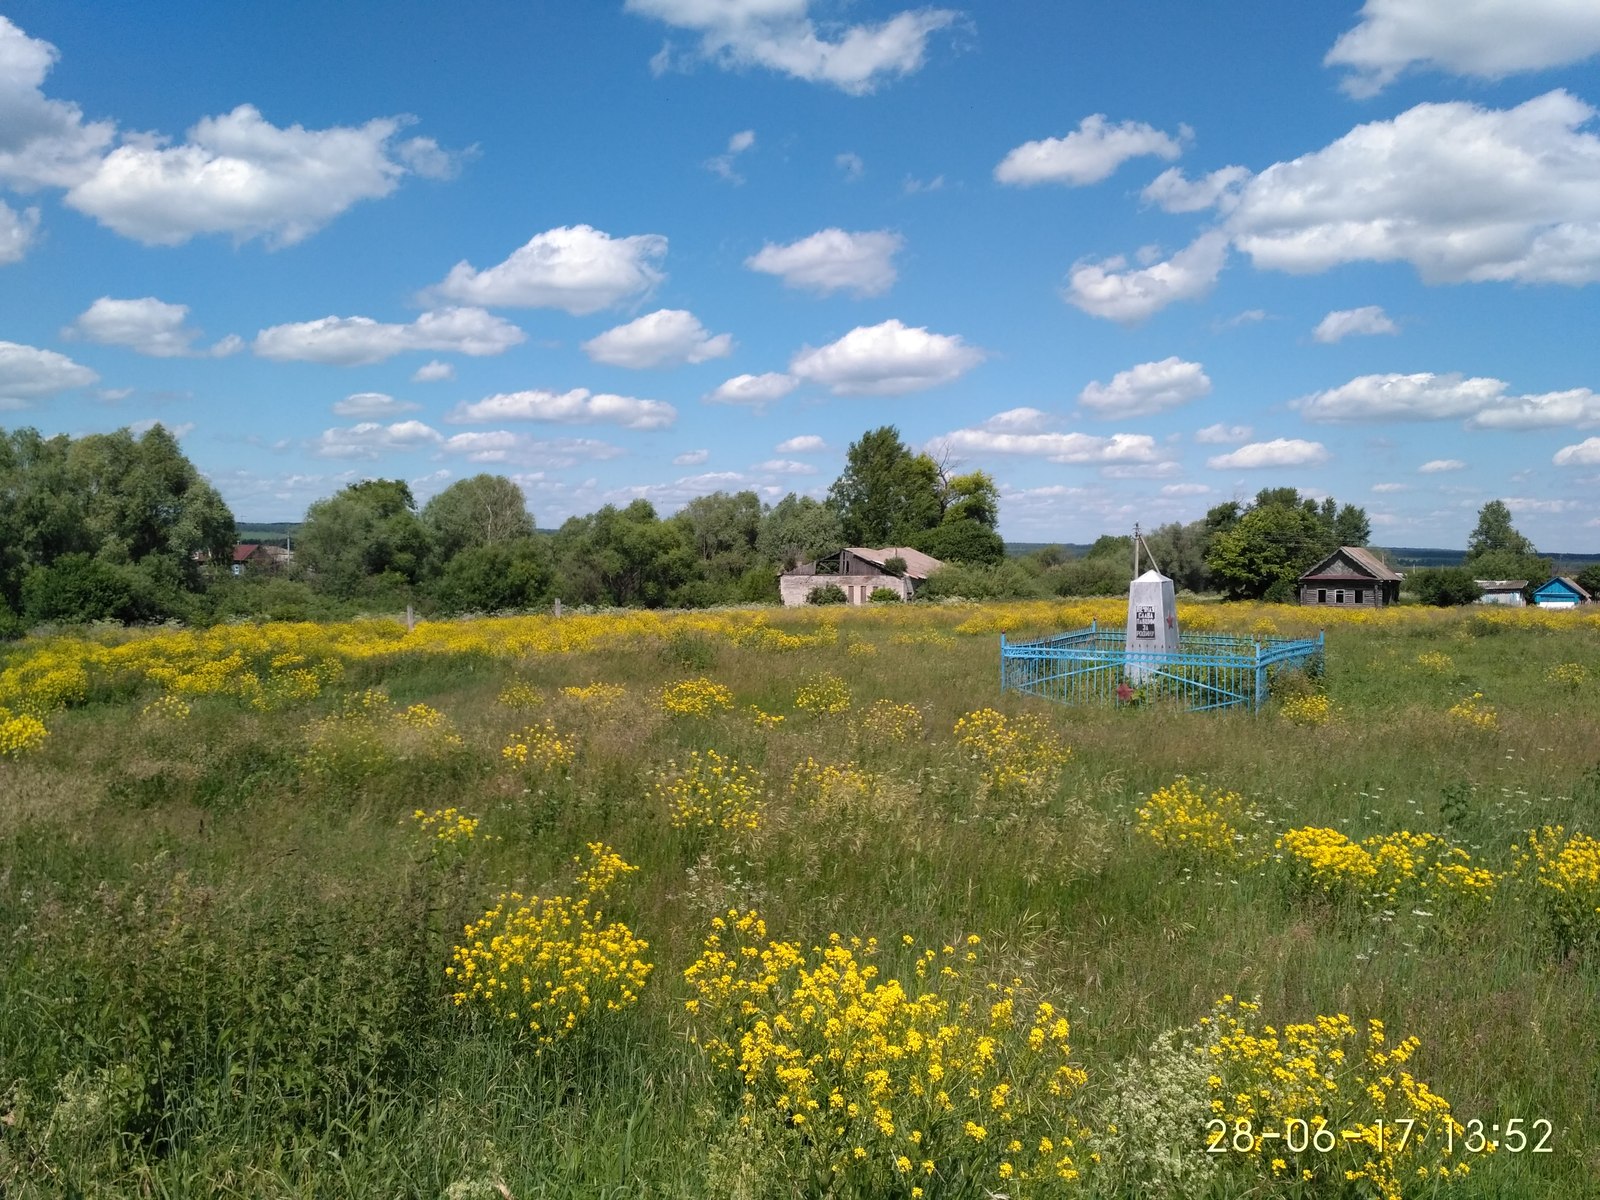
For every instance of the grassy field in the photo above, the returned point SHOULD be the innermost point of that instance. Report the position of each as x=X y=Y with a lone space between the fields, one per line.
x=992 y=944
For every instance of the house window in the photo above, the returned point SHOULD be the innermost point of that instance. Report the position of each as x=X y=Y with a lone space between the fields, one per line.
x=1361 y=596
x=1338 y=596
x=1322 y=595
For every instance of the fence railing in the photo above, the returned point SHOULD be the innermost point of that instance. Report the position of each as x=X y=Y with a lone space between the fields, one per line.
x=1206 y=671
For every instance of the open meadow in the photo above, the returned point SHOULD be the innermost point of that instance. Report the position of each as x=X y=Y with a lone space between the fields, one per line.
x=790 y=904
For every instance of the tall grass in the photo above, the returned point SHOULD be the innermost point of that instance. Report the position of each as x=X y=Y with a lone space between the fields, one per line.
x=226 y=936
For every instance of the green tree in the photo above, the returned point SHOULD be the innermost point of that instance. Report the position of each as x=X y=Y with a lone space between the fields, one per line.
x=483 y=510
x=886 y=495
x=364 y=540
x=622 y=556
x=1269 y=545
x=972 y=497
x=961 y=541
x=1444 y=587
x=495 y=576
x=1180 y=550
x=132 y=503
x=1495 y=532
x=1588 y=579
x=798 y=529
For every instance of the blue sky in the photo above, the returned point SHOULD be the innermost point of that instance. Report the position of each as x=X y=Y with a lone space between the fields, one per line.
x=1133 y=259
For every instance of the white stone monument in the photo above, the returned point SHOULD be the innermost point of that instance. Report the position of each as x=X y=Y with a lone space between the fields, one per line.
x=1152 y=628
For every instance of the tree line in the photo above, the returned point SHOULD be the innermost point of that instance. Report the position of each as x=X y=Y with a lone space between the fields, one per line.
x=123 y=527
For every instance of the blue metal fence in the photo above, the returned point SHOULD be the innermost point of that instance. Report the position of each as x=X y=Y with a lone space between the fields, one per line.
x=1207 y=671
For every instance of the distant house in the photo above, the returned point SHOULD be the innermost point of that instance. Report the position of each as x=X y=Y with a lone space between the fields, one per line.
x=253 y=556
x=1350 y=577
x=858 y=570
x=1560 y=592
x=1511 y=592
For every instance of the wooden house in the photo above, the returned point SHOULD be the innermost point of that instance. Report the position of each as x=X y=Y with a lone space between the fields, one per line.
x=857 y=570
x=1513 y=593
x=1560 y=592
x=1350 y=577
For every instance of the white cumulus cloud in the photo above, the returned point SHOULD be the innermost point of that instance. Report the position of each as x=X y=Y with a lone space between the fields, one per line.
x=1585 y=454
x=786 y=466
x=667 y=337
x=371 y=440
x=503 y=447
x=754 y=390
x=43 y=142
x=358 y=341
x=576 y=268
x=805 y=443
x=147 y=325
x=372 y=404
x=1438 y=466
x=1279 y=452
x=1391 y=487
x=29 y=373
x=1460 y=192
x=691 y=458
x=1223 y=435
x=1484 y=38
x=1420 y=397
x=1018 y=420
x=1353 y=322
x=722 y=164
x=1150 y=387
x=1174 y=192
x=1485 y=403
x=780 y=36
x=576 y=407
x=889 y=359
x=239 y=174
x=1184 y=489
x=1067 y=448
x=433 y=372
x=833 y=260
x=17 y=231
x=1116 y=292
x=1576 y=408
x=1088 y=154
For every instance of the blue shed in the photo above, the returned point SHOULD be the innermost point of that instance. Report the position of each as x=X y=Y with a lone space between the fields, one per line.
x=1560 y=592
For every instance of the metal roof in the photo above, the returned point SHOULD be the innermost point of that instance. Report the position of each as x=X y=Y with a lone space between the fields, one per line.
x=1363 y=559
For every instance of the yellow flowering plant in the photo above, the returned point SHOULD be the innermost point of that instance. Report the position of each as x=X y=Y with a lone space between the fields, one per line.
x=20 y=733
x=446 y=828
x=1016 y=756
x=710 y=791
x=550 y=964
x=1195 y=821
x=698 y=697
x=1310 y=1108
x=825 y=695
x=891 y=1080
x=1560 y=873
x=540 y=749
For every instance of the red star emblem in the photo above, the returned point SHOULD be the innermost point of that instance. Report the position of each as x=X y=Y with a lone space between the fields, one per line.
x=1124 y=693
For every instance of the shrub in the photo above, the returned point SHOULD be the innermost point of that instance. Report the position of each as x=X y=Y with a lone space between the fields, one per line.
x=827 y=593
x=12 y=626
x=76 y=588
x=1444 y=587
x=894 y=565
x=884 y=595
x=1003 y=581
